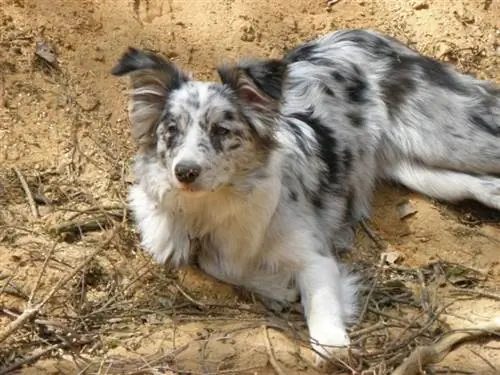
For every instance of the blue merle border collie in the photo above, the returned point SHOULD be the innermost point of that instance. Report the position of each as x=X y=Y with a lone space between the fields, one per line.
x=269 y=170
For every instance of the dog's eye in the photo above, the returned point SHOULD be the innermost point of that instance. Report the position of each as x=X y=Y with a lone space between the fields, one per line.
x=172 y=129
x=220 y=130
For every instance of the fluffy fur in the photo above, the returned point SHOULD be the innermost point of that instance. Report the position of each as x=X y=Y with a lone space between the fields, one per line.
x=269 y=170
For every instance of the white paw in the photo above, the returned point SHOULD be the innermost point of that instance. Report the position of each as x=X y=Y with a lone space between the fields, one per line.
x=488 y=192
x=328 y=342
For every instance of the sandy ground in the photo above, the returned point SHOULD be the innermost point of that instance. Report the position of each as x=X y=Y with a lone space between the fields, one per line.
x=65 y=131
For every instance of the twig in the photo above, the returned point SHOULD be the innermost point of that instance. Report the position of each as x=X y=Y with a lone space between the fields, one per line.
x=332 y=2
x=362 y=332
x=40 y=353
x=425 y=355
x=270 y=352
x=40 y=274
x=19 y=322
x=424 y=294
x=29 y=195
x=370 y=292
x=30 y=311
x=189 y=298
x=8 y=283
x=476 y=292
x=490 y=365
x=380 y=243
x=32 y=358
x=95 y=223
x=2 y=90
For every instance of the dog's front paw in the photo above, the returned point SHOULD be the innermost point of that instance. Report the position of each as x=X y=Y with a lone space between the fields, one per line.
x=329 y=342
x=488 y=192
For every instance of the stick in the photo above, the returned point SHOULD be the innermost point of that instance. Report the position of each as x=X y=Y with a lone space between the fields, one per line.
x=272 y=359
x=189 y=298
x=40 y=274
x=425 y=355
x=37 y=354
x=25 y=361
x=371 y=234
x=29 y=195
x=96 y=223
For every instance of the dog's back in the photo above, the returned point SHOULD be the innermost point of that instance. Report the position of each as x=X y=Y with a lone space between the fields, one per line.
x=388 y=112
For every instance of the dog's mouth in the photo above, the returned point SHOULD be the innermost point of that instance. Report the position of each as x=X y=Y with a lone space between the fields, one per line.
x=192 y=191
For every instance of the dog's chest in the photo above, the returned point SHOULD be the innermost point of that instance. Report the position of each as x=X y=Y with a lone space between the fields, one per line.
x=235 y=226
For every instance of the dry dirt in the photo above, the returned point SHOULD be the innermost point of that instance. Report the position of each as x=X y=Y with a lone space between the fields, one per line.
x=63 y=128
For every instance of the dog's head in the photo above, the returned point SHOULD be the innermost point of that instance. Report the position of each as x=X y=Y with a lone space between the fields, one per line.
x=206 y=135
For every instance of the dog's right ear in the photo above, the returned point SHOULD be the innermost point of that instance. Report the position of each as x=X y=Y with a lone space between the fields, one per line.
x=152 y=79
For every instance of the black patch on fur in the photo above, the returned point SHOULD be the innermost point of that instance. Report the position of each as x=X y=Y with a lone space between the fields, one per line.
x=374 y=44
x=293 y=196
x=301 y=53
x=217 y=142
x=348 y=157
x=481 y=123
x=299 y=136
x=356 y=119
x=436 y=73
x=457 y=135
x=349 y=208
x=401 y=79
x=327 y=142
x=171 y=136
x=397 y=86
x=171 y=140
x=338 y=77
x=327 y=145
x=316 y=200
x=356 y=87
x=327 y=90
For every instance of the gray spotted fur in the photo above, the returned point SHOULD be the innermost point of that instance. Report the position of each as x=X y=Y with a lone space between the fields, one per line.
x=290 y=151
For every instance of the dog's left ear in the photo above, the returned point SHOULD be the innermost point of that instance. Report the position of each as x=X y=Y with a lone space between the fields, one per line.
x=256 y=82
x=152 y=79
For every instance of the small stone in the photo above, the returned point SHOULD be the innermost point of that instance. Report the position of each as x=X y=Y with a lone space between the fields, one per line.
x=419 y=5
x=46 y=52
x=87 y=102
x=391 y=257
x=405 y=210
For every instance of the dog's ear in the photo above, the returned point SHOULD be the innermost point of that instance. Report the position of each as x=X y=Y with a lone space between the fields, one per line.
x=152 y=79
x=256 y=82
x=257 y=85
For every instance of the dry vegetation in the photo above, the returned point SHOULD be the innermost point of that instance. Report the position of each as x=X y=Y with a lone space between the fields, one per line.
x=77 y=295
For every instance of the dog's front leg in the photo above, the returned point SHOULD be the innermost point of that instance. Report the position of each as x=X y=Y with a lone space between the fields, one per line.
x=321 y=285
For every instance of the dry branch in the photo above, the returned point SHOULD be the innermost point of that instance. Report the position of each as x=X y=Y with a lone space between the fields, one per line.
x=29 y=195
x=425 y=355
x=272 y=359
x=96 y=223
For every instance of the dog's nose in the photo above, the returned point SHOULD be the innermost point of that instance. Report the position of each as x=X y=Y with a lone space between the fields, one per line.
x=186 y=173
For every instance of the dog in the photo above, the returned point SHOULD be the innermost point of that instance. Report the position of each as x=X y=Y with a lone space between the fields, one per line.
x=269 y=170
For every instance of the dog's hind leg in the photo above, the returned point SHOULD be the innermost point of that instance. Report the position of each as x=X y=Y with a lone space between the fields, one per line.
x=447 y=185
